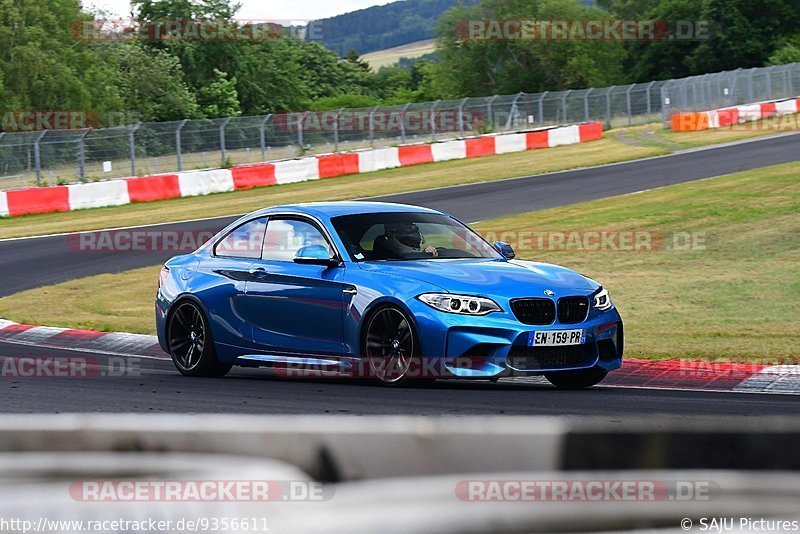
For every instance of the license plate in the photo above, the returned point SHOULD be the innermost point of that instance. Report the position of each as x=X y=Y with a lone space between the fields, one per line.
x=557 y=338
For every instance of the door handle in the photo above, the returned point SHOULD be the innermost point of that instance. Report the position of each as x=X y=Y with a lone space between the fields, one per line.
x=350 y=291
x=258 y=272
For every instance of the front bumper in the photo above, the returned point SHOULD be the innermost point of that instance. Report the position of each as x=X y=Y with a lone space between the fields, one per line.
x=497 y=345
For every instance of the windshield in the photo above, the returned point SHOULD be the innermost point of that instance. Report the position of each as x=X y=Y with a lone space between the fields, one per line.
x=409 y=236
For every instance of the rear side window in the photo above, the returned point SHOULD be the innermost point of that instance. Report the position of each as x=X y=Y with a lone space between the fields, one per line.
x=246 y=241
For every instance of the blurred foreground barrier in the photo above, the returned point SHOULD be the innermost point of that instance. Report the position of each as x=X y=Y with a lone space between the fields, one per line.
x=170 y=473
x=352 y=448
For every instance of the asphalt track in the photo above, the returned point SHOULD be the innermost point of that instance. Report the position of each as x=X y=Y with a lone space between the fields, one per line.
x=35 y=262
x=150 y=386
x=154 y=386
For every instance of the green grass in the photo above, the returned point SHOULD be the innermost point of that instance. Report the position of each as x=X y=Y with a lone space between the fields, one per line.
x=736 y=299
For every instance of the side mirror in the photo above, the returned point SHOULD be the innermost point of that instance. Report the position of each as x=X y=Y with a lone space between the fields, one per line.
x=316 y=255
x=505 y=250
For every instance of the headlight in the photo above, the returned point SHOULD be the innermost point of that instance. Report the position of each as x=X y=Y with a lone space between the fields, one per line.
x=460 y=304
x=602 y=301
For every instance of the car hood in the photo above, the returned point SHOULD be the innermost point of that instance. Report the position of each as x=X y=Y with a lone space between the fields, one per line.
x=485 y=277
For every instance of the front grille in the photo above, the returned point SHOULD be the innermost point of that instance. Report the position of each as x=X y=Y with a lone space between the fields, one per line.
x=545 y=358
x=534 y=311
x=572 y=310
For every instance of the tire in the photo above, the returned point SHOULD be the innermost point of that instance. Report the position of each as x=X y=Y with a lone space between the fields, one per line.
x=391 y=348
x=191 y=344
x=572 y=380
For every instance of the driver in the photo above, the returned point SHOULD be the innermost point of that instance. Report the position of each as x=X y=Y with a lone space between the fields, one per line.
x=405 y=239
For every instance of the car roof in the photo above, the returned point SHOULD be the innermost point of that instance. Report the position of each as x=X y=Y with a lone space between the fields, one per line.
x=336 y=209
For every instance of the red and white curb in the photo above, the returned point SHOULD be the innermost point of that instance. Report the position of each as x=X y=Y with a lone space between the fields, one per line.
x=114 y=344
x=635 y=373
x=205 y=182
x=725 y=117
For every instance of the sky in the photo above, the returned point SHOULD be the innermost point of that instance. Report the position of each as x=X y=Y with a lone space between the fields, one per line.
x=277 y=10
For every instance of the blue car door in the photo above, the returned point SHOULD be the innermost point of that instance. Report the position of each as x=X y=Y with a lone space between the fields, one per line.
x=295 y=309
x=223 y=278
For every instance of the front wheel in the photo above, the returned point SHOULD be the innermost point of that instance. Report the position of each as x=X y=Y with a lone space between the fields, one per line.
x=191 y=345
x=391 y=348
x=585 y=378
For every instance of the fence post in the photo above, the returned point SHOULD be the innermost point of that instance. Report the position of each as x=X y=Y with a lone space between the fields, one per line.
x=628 y=103
x=541 y=108
x=262 y=137
x=336 y=127
x=769 y=84
x=586 y=105
x=608 y=106
x=222 y=139
x=490 y=111
x=37 y=157
x=461 y=116
x=403 y=122
x=786 y=82
x=649 y=99
x=704 y=93
x=433 y=119
x=513 y=111
x=372 y=126
x=300 y=142
x=750 y=85
x=178 y=149
x=564 y=105
x=132 y=136
x=82 y=154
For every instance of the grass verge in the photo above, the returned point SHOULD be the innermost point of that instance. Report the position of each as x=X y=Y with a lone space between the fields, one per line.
x=736 y=296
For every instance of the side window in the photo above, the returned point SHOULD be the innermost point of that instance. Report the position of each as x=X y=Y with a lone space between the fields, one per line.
x=245 y=241
x=286 y=238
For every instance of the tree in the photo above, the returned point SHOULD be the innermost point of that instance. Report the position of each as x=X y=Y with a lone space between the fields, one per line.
x=484 y=67
x=353 y=57
x=789 y=52
x=746 y=33
x=46 y=67
x=151 y=83
x=219 y=98
x=665 y=58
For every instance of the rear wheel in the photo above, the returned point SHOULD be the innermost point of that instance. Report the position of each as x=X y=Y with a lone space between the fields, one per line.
x=191 y=345
x=585 y=378
x=391 y=349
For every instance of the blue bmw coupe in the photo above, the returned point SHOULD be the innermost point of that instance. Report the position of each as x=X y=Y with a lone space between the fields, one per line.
x=395 y=293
